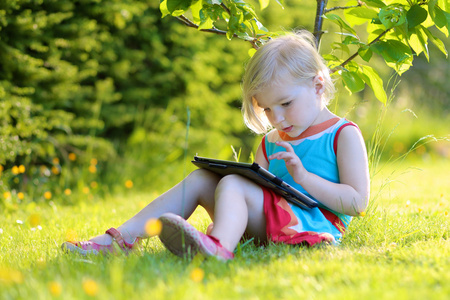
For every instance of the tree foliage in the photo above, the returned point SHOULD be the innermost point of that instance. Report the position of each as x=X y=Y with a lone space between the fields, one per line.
x=395 y=30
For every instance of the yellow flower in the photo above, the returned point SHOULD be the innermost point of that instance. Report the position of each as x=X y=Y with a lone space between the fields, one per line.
x=86 y=190
x=48 y=195
x=9 y=276
x=55 y=170
x=362 y=214
x=21 y=169
x=94 y=161
x=92 y=168
x=67 y=192
x=34 y=219
x=153 y=227
x=197 y=275
x=56 y=161
x=90 y=287
x=20 y=195
x=15 y=170
x=55 y=288
x=128 y=184
x=1 y=168
x=72 y=156
x=419 y=210
x=7 y=195
x=94 y=184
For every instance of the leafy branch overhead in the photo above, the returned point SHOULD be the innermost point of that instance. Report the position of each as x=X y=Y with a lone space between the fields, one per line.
x=396 y=31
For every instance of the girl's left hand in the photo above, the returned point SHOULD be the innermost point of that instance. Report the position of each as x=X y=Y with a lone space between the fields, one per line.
x=293 y=162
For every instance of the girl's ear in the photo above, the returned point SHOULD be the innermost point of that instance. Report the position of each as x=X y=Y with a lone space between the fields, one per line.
x=319 y=84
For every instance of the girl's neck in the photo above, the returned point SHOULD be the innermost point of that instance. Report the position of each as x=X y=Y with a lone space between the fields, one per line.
x=324 y=116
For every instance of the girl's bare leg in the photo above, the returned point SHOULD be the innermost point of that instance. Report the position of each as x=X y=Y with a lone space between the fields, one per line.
x=196 y=189
x=239 y=208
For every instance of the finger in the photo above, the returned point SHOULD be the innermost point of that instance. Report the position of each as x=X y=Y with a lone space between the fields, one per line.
x=285 y=145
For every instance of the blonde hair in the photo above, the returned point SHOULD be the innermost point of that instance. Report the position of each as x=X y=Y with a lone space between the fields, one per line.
x=293 y=56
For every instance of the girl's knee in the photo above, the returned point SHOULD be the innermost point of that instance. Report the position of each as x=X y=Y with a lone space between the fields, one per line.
x=234 y=181
x=203 y=176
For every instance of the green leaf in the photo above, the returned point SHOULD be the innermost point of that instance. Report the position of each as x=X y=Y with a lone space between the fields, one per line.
x=263 y=4
x=163 y=8
x=352 y=81
x=421 y=42
x=365 y=53
x=375 y=3
x=178 y=7
x=437 y=42
x=439 y=17
x=416 y=15
x=396 y=54
x=360 y=15
x=392 y=15
x=374 y=81
x=337 y=20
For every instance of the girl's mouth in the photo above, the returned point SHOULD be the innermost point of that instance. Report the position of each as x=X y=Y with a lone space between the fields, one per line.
x=288 y=129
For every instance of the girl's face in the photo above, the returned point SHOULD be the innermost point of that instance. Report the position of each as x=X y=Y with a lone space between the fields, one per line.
x=292 y=108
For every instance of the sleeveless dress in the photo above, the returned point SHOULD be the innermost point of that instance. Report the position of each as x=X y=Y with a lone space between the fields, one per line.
x=287 y=222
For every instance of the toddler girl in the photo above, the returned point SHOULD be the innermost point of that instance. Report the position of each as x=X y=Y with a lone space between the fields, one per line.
x=286 y=88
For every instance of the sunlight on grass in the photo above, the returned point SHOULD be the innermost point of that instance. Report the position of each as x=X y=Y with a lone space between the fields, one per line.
x=399 y=249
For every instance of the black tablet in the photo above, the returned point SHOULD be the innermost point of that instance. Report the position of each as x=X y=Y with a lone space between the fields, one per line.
x=257 y=174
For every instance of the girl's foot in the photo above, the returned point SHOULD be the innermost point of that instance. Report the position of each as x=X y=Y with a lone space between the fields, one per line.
x=90 y=247
x=183 y=240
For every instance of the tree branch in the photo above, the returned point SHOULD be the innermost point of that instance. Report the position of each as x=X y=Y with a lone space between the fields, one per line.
x=189 y=23
x=321 y=7
x=356 y=53
x=360 y=3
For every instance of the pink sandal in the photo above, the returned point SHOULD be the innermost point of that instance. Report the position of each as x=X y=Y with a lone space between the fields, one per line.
x=89 y=247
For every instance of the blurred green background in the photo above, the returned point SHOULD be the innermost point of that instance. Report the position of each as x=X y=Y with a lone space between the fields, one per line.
x=96 y=97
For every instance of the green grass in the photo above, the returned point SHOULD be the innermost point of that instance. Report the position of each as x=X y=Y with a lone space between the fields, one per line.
x=399 y=250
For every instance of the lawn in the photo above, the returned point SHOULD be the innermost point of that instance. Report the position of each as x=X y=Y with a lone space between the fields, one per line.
x=399 y=250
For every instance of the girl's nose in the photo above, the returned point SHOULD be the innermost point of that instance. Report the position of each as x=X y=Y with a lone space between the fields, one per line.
x=277 y=118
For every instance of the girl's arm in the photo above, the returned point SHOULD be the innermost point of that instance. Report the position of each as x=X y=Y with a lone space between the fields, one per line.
x=260 y=158
x=351 y=195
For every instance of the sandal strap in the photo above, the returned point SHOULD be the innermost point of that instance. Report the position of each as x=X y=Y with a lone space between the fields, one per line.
x=117 y=237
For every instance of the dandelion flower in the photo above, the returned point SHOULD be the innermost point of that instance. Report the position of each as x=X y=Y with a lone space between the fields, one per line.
x=7 y=195
x=22 y=169
x=197 y=274
x=362 y=214
x=128 y=184
x=94 y=161
x=48 y=195
x=92 y=169
x=1 y=168
x=20 y=195
x=55 y=170
x=419 y=210
x=67 y=192
x=55 y=161
x=15 y=170
x=55 y=288
x=35 y=220
x=9 y=276
x=72 y=156
x=94 y=184
x=86 y=190
x=153 y=227
x=90 y=287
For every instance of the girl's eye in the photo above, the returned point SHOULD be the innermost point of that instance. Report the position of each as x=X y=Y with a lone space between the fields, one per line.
x=286 y=103
x=266 y=109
